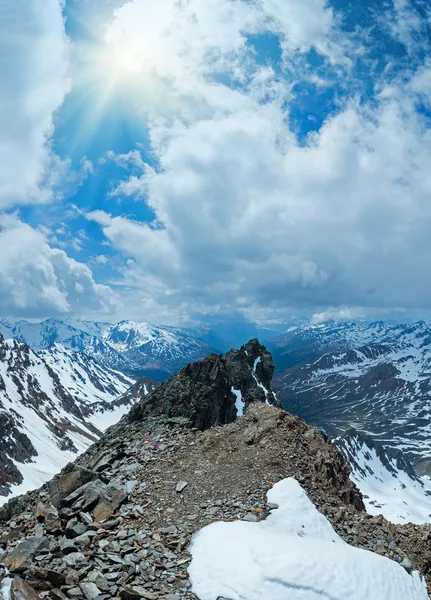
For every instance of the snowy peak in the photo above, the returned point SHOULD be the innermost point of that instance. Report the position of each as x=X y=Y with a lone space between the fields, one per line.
x=361 y=451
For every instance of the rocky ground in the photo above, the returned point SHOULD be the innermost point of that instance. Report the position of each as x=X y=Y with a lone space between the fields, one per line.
x=118 y=522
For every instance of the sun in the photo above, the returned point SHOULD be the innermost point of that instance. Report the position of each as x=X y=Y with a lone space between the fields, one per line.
x=115 y=63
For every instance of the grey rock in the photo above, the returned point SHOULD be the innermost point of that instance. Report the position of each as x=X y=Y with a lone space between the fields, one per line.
x=75 y=558
x=21 y=590
x=181 y=485
x=202 y=391
x=19 y=558
x=70 y=479
x=67 y=546
x=407 y=565
x=251 y=518
x=130 y=486
x=89 y=589
x=75 y=528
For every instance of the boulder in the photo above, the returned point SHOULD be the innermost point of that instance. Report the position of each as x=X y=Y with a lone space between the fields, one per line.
x=54 y=578
x=70 y=479
x=48 y=514
x=20 y=590
x=18 y=559
x=109 y=502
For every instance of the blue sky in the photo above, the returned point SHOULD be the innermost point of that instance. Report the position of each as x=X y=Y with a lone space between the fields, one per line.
x=183 y=161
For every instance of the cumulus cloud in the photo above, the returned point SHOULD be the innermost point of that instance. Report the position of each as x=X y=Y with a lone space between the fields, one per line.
x=33 y=85
x=37 y=280
x=338 y=314
x=248 y=216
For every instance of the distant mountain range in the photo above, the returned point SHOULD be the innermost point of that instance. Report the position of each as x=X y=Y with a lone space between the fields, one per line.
x=374 y=377
x=136 y=349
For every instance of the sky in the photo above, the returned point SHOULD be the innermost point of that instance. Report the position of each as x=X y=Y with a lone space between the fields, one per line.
x=178 y=161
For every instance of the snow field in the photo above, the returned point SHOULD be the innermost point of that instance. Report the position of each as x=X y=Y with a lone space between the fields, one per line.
x=293 y=555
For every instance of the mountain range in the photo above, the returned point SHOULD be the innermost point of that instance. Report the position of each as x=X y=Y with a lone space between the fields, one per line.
x=66 y=381
x=373 y=377
x=136 y=349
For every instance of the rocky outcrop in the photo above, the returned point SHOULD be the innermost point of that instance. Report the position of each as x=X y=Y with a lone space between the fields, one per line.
x=204 y=392
x=250 y=370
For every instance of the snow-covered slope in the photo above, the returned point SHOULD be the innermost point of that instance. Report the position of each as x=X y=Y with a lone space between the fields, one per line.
x=373 y=377
x=387 y=480
x=53 y=405
x=294 y=554
x=136 y=349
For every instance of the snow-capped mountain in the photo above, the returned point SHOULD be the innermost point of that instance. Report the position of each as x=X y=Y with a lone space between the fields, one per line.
x=374 y=377
x=135 y=349
x=157 y=348
x=386 y=479
x=53 y=405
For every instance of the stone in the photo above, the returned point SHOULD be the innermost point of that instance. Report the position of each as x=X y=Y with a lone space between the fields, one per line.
x=251 y=518
x=55 y=578
x=89 y=589
x=113 y=576
x=86 y=496
x=75 y=528
x=407 y=565
x=20 y=557
x=130 y=486
x=21 y=590
x=108 y=503
x=49 y=515
x=102 y=583
x=181 y=485
x=67 y=546
x=70 y=479
x=75 y=558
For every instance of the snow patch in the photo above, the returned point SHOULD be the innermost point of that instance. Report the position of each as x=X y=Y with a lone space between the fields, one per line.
x=294 y=555
x=239 y=403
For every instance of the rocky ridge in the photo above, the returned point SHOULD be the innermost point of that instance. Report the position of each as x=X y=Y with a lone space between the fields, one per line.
x=117 y=523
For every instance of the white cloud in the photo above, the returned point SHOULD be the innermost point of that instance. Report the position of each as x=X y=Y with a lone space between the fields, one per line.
x=33 y=85
x=338 y=314
x=248 y=217
x=37 y=280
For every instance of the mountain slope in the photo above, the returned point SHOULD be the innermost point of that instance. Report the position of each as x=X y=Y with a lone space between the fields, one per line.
x=52 y=407
x=386 y=479
x=373 y=377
